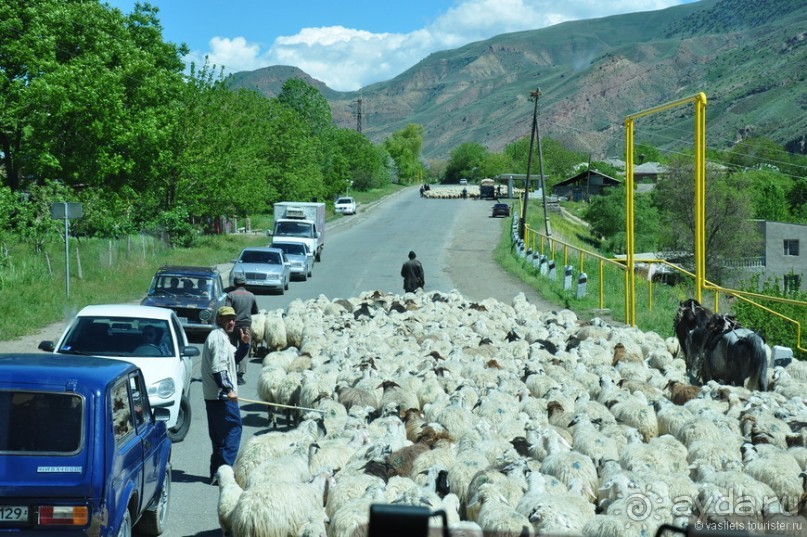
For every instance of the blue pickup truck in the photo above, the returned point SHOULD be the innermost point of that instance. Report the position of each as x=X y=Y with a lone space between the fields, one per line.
x=81 y=451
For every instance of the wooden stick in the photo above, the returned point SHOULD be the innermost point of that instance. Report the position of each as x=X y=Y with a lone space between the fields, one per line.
x=281 y=406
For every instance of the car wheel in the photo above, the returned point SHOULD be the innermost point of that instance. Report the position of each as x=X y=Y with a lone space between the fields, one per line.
x=125 y=529
x=153 y=520
x=180 y=430
x=286 y=287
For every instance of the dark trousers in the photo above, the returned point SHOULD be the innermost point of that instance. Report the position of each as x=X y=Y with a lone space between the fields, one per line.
x=224 y=427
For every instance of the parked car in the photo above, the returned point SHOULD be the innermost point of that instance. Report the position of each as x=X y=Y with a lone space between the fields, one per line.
x=500 y=209
x=463 y=182
x=194 y=293
x=263 y=268
x=301 y=259
x=152 y=339
x=345 y=205
x=83 y=451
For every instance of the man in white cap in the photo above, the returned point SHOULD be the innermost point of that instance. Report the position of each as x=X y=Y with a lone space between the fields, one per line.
x=219 y=358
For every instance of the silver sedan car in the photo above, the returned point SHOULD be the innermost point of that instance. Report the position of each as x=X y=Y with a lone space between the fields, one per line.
x=301 y=259
x=263 y=268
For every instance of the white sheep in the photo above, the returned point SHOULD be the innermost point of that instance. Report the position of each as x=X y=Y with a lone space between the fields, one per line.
x=293 y=467
x=272 y=445
x=229 y=494
x=352 y=518
x=258 y=329
x=569 y=466
x=268 y=511
x=496 y=516
x=779 y=471
x=275 y=331
x=295 y=325
x=427 y=345
x=637 y=413
x=349 y=486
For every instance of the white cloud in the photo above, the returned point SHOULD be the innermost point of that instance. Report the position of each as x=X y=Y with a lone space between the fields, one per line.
x=347 y=59
x=235 y=53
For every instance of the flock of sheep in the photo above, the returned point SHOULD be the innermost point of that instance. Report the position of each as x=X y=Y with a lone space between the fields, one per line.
x=509 y=419
x=455 y=192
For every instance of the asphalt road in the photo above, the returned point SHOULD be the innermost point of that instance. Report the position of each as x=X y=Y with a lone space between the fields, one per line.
x=364 y=252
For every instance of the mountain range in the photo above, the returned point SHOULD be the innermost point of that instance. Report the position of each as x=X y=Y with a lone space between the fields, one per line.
x=749 y=57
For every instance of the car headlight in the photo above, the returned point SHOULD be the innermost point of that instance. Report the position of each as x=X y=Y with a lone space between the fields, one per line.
x=206 y=315
x=163 y=389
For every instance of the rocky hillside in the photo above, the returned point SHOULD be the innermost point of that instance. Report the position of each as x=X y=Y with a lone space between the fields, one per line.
x=747 y=56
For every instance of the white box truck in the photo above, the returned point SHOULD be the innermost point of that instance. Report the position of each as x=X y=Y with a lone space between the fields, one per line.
x=298 y=221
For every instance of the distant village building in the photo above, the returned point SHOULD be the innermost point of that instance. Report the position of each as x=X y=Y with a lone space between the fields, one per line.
x=584 y=185
x=783 y=255
x=649 y=172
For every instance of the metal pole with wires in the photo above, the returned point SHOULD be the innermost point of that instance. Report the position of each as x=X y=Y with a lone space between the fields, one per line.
x=523 y=222
x=547 y=227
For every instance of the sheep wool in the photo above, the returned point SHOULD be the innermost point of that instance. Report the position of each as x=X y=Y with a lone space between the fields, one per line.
x=275 y=332
x=523 y=421
x=266 y=511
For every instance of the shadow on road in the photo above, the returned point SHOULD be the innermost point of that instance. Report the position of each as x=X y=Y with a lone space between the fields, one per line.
x=178 y=476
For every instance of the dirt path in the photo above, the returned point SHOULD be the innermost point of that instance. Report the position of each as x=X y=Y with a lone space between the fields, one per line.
x=471 y=265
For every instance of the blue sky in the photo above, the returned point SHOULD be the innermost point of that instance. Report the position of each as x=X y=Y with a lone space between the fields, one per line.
x=354 y=43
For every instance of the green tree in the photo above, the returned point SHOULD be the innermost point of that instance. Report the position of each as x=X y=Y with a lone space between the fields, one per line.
x=309 y=103
x=729 y=232
x=606 y=168
x=772 y=327
x=364 y=161
x=220 y=161
x=797 y=199
x=84 y=92
x=404 y=148
x=607 y=219
x=466 y=161
x=768 y=194
x=31 y=218
x=646 y=153
x=758 y=153
x=559 y=163
x=315 y=111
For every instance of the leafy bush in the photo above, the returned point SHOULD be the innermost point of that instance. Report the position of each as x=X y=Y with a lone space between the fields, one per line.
x=176 y=223
x=773 y=328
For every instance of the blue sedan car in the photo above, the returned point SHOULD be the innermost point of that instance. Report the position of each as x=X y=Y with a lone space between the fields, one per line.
x=194 y=293
x=82 y=451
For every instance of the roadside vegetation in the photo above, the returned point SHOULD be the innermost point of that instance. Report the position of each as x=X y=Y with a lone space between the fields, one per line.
x=657 y=318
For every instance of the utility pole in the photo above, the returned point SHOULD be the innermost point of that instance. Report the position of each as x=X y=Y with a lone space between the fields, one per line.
x=523 y=222
x=547 y=227
x=358 y=115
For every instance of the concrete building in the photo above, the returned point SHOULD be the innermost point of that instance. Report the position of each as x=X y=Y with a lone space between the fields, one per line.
x=785 y=252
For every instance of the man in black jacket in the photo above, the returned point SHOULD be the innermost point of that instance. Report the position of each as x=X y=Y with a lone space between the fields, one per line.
x=412 y=273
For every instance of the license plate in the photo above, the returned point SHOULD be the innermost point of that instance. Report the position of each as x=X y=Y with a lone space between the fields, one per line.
x=13 y=513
